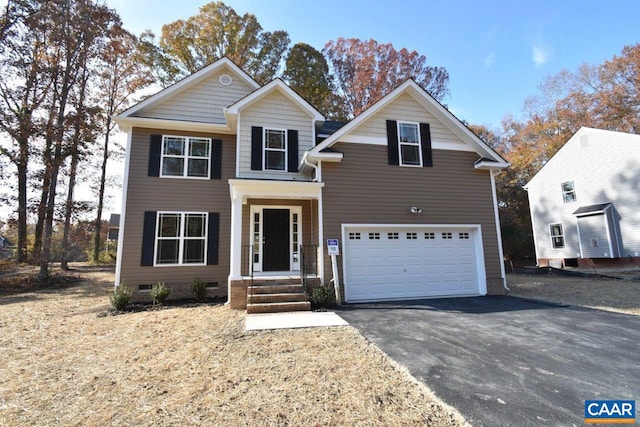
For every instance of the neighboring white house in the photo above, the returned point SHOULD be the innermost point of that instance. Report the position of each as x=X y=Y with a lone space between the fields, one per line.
x=585 y=202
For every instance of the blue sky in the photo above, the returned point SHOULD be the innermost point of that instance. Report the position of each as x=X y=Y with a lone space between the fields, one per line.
x=496 y=52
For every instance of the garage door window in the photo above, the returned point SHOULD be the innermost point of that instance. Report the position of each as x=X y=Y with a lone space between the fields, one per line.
x=354 y=236
x=374 y=236
x=446 y=236
x=429 y=236
x=392 y=236
x=412 y=236
x=463 y=235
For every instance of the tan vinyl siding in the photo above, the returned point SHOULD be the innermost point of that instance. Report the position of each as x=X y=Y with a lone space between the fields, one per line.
x=145 y=193
x=405 y=108
x=275 y=111
x=203 y=102
x=364 y=189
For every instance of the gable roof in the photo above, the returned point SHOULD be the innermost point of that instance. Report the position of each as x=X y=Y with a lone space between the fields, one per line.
x=612 y=137
x=492 y=159
x=128 y=116
x=274 y=85
x=187 y=82
x=592 y=209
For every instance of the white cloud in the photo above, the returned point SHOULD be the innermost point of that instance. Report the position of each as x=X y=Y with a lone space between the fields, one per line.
x=540 y=53
x=489 y=60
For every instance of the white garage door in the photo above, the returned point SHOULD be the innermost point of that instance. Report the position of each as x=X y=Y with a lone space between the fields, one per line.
x=411 y=262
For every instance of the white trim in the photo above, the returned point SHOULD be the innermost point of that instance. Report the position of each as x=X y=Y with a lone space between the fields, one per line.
x=496 y=213
x=186 y=157
x=293 y=209
x=276 y=84
x=474 y=229
x=435 y=145
x=418 y=145
x=123 y=211
x=430 y=104
x=579 y=239
x=564 y=240
x=320 y=253
x=127 y=123
x=238 y=150
x=564 y=193
x=181 y=238
x=187 y=82
x=254 y=188
x=606 y=222
x=285 y=150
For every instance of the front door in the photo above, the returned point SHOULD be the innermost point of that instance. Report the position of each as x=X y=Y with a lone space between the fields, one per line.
x=275 y=240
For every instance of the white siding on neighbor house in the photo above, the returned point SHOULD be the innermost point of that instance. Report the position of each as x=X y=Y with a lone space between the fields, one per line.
x=406 y=108
x=604 y=167
x=203 y=102
x=274 y=111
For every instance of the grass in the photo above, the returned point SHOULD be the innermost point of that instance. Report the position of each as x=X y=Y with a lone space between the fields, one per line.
x=67 y=359
x=617 y=295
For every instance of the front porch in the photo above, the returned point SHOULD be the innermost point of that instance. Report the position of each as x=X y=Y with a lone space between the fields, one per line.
x=275 y=235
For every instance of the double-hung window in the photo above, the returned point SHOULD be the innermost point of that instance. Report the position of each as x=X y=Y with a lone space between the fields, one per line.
x=181 y=238
x=557 y=236
x=275 y=149
x=185 y=157
x=409 y=144
x=568 y=192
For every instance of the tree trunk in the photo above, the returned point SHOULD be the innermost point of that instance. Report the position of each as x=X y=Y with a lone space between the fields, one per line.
x=98 y=227
x=21 y=255
x=68 y=210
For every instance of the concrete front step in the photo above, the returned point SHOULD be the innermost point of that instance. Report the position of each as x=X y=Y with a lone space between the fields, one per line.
x=283 y=297
x=278 y=307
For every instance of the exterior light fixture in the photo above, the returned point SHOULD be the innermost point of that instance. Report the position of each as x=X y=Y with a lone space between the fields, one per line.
x=415 y=210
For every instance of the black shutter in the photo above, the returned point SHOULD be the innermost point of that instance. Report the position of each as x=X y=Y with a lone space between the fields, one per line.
x=292 y=150
x=155 y=149
x=425 y=136
x=216 y=159
x=392 y=142
x=256 y=148
x=213 y=237
x=148 y=238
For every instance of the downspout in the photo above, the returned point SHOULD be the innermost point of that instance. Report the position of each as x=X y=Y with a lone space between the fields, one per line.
x=498 y=231
x=306 y=162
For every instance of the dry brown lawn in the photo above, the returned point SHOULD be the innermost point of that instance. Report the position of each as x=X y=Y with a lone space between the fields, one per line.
x=66 y=361
x=605 y=294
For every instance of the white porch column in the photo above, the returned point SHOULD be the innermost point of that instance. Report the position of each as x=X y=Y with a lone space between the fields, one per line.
x=236 y=239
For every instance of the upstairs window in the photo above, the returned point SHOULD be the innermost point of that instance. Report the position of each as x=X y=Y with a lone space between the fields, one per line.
x=275 y=150
x=185 y=157
x=568 y=192
x=557 y=236
x=409 y=144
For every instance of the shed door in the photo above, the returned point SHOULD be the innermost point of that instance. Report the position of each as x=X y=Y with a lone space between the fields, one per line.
x=411 y=263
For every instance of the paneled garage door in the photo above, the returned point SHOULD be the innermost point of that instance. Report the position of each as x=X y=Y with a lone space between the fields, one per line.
x=411 y=262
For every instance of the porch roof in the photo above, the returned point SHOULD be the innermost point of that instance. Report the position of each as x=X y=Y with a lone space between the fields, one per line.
x=252 y=188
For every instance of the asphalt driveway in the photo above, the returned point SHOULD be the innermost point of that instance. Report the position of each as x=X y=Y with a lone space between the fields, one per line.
x=509 y=361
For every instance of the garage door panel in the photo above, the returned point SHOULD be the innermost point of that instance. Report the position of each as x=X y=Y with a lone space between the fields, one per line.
x=410 y=262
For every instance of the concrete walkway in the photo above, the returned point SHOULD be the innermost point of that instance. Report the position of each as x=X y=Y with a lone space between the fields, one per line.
x=296 y=319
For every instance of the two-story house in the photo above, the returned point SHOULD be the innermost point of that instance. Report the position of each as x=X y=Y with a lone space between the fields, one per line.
x=237 y=183
x=585 y=201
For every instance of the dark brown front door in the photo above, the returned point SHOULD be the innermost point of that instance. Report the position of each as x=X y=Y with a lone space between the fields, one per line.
x=275 y=246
